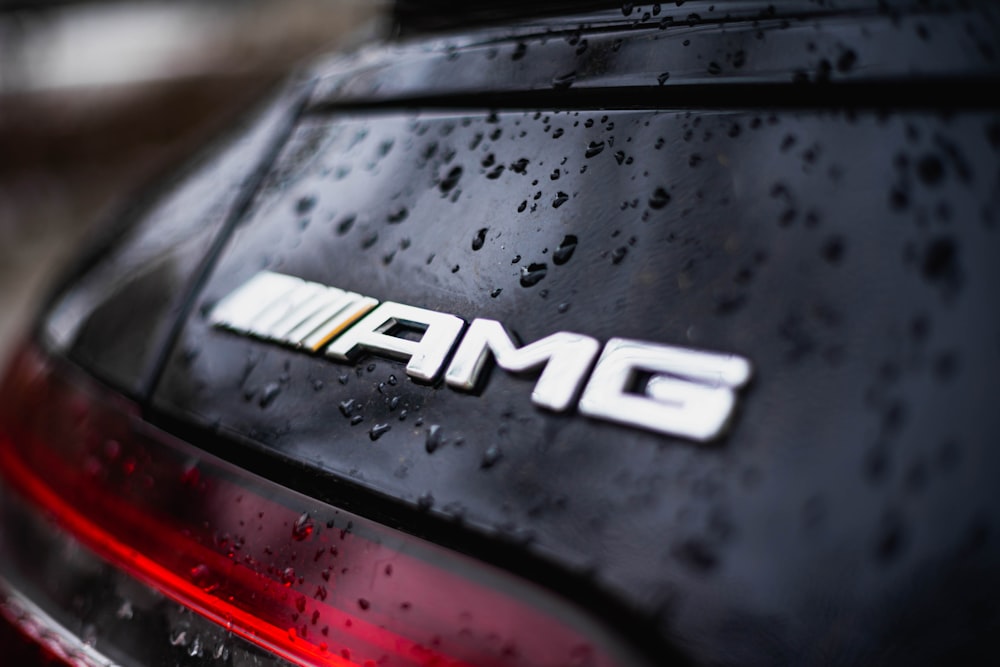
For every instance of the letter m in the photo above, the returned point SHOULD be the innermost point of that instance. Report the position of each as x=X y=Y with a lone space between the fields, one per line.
x=567 y=358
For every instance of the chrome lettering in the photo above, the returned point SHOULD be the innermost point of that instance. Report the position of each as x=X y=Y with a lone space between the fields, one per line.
x=565 y=356
x=376 y=333
x=690 y=393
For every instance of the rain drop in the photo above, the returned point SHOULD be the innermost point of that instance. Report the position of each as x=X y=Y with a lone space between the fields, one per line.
x=659 y=199
x=490 y=457
x=532 y=274
x=594 y=148
x=269 y=393
x=479 y=239
x=564 y=81
x=305 y=204
x=303 y=527
x=449 y=182
x=520 y=166
x=397 y=215
x=565 y=251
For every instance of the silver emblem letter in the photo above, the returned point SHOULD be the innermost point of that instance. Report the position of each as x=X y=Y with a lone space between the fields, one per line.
x=375 y=334
x=567 y=357
x=690 y=393
x=290 y=311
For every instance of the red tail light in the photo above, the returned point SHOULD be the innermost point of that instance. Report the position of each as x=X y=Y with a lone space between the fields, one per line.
x=299 y=578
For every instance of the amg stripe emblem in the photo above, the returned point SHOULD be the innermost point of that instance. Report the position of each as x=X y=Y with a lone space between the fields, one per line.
x=670 y=390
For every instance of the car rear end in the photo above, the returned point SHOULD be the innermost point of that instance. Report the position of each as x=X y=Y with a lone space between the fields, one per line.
x=800 y=198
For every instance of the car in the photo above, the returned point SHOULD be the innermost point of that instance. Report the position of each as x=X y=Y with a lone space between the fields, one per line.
x=539 y=334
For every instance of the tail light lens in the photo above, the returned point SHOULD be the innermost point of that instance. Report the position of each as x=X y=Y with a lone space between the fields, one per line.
x=302 y=580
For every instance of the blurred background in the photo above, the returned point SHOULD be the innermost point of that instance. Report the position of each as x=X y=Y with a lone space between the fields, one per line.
x=96 y=98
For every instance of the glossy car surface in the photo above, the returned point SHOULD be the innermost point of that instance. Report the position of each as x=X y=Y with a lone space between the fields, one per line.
x=810 y=186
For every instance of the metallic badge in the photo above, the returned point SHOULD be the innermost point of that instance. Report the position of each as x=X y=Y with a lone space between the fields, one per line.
x=671 y=390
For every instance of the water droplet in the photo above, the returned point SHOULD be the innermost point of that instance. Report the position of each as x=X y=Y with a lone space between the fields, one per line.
x=833 y=250
x=520 y=166
x=594 y=148
x=561 y=198
x=659 y=199
x=303 y=527
x=356 y=419
x=397 y=215
x=490 y=457
x=434 y=439
x=662 y=78
x=618 y=254
x=697 y=555
x=425 y=501
x=532 y=274
x=930 y=170
x=519 y=51
x=714 y=68
x=619 y=156
x=496 y=292
x=941 y=262
x=449 y=182
x=305 y=204
x=269 y=393
x=377 y=431
x=564 y=81
x=364 y=604
x=202 y=577
x=891 y=539
x=479 y=239
x=347 y=407
x=847 y=60
x=565 y=251
x=125 y=611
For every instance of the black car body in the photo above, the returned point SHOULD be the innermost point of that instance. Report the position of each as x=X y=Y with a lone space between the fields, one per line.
x=811 y=187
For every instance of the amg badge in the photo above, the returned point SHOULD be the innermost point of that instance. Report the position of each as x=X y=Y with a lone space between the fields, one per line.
x=671 y=390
